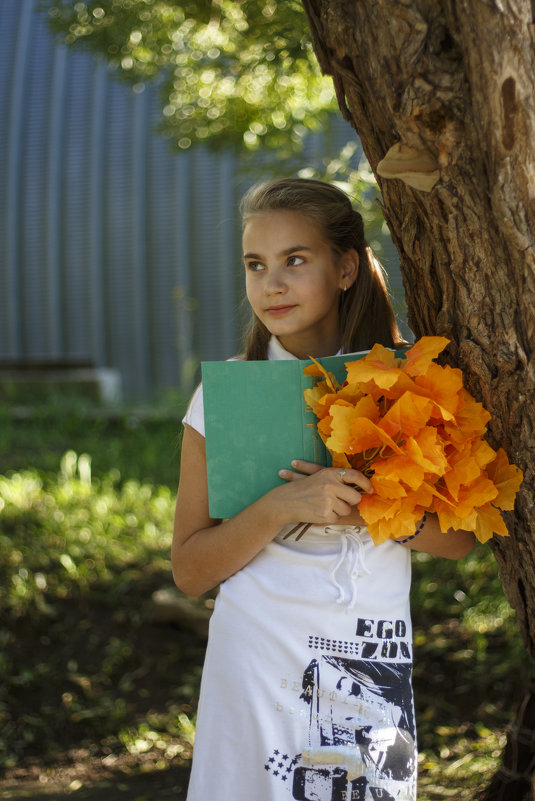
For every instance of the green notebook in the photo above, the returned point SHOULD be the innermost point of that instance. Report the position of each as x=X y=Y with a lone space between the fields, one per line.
x=256 y=423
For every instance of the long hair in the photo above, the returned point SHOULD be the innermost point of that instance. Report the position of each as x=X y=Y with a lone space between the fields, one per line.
x=365 y=311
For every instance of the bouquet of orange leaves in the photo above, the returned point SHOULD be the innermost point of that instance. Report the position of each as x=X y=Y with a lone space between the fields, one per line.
x=411 y=427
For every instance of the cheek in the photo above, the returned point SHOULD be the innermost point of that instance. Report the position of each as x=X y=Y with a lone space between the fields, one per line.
x=320 y=289
x=251 y=291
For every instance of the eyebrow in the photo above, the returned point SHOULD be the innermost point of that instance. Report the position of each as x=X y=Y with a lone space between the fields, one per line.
x=285 y=252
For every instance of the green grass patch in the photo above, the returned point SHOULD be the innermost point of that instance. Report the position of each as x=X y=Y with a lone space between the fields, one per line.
x=131 y=443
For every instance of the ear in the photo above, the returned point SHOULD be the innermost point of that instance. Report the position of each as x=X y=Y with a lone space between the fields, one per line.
x=349 y=268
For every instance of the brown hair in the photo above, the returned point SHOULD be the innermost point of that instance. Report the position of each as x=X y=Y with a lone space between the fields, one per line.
x=366 y=314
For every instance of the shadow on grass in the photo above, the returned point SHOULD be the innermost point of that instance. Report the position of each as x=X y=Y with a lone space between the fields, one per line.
x=159 y=785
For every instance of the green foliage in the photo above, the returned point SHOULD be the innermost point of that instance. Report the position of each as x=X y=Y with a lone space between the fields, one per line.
x=229 y=73
x=109 y=527
x=159 y=733
x=115 y=438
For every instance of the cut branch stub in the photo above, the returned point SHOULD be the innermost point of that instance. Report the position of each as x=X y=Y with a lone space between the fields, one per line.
x=416 y=168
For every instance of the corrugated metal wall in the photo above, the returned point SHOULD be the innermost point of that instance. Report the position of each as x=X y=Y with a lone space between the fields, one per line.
x=112 y=249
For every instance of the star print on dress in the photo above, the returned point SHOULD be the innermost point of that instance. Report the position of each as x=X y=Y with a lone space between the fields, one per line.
x=281 y=765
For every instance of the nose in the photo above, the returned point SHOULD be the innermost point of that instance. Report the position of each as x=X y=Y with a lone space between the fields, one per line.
x=275 y=283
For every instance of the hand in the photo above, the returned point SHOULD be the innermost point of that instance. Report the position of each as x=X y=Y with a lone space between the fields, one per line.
x=321 y=495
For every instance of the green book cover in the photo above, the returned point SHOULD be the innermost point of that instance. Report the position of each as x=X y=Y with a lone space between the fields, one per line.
x=256 y=422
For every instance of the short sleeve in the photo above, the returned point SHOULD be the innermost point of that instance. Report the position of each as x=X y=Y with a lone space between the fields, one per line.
x=194 y=416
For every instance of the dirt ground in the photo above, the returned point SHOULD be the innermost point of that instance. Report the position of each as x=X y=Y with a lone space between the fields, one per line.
x=89 y=780
x=162 y=786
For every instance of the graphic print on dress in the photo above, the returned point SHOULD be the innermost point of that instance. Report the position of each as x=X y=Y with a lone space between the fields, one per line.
x=361 y=731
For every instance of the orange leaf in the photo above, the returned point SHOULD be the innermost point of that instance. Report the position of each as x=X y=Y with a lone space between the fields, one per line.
x=313 y=398
x=401 y=468
x=407 y=415
x=477 y=494
x=430 y=461
x=412 y=427
x=464 y=472
x=380 y=366
x=431 y=445
x=324 y=428
x=443 y=386
x=470 y=420
x=353 y=433
x=482 y=452
x=390 y=518
x=387 y=488
x=373 y=508
x=466 y=464
x=489 y=521
x=428 y=494
x=365 y=435
x=316 y=369
x=420 y=356
x=348 y=394
x=343 y=416
x=448 y=518
x=507 y=478
x=340 y=460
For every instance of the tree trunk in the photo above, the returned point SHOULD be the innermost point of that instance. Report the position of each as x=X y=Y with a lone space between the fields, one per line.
x=455 y=80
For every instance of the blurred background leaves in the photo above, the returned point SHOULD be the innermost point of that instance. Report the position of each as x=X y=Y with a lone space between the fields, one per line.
x=233 y=74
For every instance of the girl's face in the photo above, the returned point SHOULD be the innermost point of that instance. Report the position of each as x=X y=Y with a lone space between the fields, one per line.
x=293 y=281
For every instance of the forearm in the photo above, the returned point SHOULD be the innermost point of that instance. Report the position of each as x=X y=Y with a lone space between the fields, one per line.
x=450 y=544
x=352 y=519
x=210 y=555
x=430 y=539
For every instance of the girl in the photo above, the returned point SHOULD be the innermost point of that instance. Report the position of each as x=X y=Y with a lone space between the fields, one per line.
x=306 y=689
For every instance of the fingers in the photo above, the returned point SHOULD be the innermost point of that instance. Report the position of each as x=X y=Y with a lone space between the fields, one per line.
x=306 y=467
x=289 y=475
x=326 y=483
x=350 y=476
x=341 y=508
x=347 y=476
x=348 y=494
x=321 y=499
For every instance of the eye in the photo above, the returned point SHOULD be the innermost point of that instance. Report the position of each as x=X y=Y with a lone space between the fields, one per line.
x=254 y=266
x=295 y=261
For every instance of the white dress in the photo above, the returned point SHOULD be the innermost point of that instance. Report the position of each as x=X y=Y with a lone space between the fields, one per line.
x=306 y=690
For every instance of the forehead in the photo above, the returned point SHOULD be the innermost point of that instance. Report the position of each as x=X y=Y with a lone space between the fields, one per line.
x=280 y=229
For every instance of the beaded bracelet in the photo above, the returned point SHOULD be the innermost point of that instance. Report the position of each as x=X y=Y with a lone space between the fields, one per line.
x=420 y=527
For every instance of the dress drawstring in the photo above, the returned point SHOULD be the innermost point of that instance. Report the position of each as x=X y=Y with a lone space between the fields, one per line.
x=352 y=552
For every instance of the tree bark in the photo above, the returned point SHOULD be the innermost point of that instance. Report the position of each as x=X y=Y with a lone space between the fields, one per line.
x=456 y=79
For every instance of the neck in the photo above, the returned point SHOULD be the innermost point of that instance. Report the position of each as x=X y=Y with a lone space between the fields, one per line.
x=303 y=347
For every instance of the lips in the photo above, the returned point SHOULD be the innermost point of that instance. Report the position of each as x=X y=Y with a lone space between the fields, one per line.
x=279 y=310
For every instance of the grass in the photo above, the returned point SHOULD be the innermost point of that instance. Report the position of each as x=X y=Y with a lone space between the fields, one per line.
x=86 y=504
x=133 y=443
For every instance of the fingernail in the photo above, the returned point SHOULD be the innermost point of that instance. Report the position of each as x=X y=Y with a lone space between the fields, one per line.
x=283 y=473
x=294 y=462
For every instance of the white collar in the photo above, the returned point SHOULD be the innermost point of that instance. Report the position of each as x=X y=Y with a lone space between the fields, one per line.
x=277 y=353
